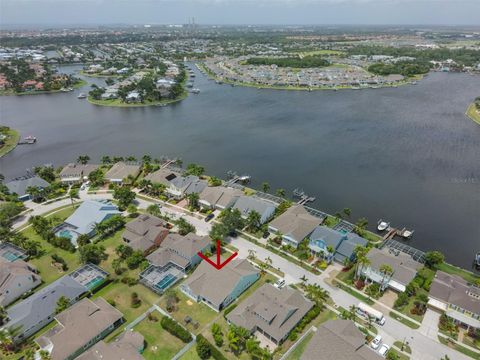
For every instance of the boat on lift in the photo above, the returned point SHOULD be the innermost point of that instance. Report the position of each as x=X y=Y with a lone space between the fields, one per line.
x=382 y=225
x=407 y=234
x=81 y=96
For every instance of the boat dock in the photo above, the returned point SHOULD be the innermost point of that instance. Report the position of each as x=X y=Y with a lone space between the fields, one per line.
x=303 y=198
x=392 y=232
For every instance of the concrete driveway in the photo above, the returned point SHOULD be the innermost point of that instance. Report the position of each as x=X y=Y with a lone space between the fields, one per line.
x=429 y=325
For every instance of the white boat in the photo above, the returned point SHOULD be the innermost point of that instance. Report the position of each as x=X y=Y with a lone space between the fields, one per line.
x=477 y=260
x=81 y=96
x=382 y=225
x=407 y=234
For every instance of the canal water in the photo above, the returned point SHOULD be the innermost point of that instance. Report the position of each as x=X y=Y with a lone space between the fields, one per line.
x=408 y=155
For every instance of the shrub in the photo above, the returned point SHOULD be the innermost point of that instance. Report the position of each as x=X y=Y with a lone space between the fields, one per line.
x=135 y=300
x=203 y=347
x=401 y=301
x=112 y=302
x=175 y=329
x=229 y=309
x=214 y=352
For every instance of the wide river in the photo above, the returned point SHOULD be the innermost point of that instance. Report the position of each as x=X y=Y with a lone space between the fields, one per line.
x=405 y=154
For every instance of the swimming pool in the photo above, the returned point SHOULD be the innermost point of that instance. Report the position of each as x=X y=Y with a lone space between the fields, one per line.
x=168 y=280
x=65 y=233
x=10 y=256
x=94 y=283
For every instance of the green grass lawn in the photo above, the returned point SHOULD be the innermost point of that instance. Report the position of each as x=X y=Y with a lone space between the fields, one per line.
x=451 y=269
x=44 y=262
x=459 y=348
x=404 y=321
x=331 y=221
x=191 y=354
x=160 y=344
x=121 y=294
x=400 y=356
x=188 y=307
x=10 y=142
x=300 y=348
x=473 y=113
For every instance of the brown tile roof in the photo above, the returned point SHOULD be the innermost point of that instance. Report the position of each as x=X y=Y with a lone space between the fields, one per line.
x=121 y=170
x=125 y=347
x=142 y=232
x=275 y=311
x=339 y=340
x=77 y=170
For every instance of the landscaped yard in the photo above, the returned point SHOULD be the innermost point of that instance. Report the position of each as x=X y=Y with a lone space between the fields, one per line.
x=160 y=344
x=451 y=269
x=187 y=307
x=121 y=294
x=191 y=354
x=44 y=262
x=458 y=347
x=300 y=348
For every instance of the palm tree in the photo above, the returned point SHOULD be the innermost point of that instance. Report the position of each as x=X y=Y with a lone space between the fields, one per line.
x=353 y=313
x=253 y=220
x=106 y=159
x=280 y=192
x=316 y=293
x=233 y=340
x=146 y=159
x=362 y=262
x=251 y=254
x=265 y=187
x=347 y=212
x=83 y=159
x=385 y=270
x=268 y=261
x=360 y=252
x=304 y=280
x=3 y=316
x=193 y=200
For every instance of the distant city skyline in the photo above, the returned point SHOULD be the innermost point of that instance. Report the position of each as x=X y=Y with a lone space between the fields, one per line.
x=224 y=12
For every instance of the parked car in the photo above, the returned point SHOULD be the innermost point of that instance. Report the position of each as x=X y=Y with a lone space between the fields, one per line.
x=280 y=283
x=376 y=342
x=266 y=234
x=384 y=350
x=209 y=217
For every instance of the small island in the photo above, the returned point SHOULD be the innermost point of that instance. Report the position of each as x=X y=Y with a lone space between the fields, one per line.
x=473 y=111
x=150 y=86
x=8 y=140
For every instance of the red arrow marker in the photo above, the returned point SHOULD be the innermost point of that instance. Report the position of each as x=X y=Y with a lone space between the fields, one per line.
x=219 y=264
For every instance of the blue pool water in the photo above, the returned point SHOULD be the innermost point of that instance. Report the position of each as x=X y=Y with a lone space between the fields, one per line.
x=10 y=256
x=166 y=282
x=66 y=234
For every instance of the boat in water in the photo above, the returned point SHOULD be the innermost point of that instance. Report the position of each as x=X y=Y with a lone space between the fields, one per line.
x=477 y=261
x=81 y=96
x=382 y=225
x=195 y=91
x=407 y=234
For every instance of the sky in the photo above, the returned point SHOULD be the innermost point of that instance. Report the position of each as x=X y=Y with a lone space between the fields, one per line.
x=316 y=12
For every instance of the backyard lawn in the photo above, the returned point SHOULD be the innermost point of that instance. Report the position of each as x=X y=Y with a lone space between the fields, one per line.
x=188 y=307
x=160 y=344
x=121 y=294
x=191 y=354
x=44 y=262
x=300 y=348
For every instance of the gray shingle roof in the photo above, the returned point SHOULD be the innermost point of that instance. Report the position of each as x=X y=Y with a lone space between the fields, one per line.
x=247 y=203
x=339 y=340
x=296 y=222
x=39 y=306
x=275 y=311
x=20 y=186
x=121 y=170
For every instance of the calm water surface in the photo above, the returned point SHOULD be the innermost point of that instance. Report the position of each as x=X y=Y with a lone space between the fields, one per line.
x=408 y=154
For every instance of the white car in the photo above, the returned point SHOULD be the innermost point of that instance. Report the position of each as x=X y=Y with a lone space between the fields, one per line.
x=279 y=284
x=384 y=350
x=376 y=342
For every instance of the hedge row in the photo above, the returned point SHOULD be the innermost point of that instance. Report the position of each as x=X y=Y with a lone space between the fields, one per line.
x=229 y=309
x=175 y=329
x=205 y=353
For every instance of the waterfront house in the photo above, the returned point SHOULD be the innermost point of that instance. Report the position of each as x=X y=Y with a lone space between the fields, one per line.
x=133 y=96
x=271 y=312
x=335 y=245
x=295 y=225
x=36 y=311
x=217 y=288
x=403 y=265
x=218 y=197
x=145 y=233
x=162 y=176
x=339 y=340
x=20 y=186
x=73 y=173
x=16 y=278
x=246 y=204
x=85 y=218
x=458 y=299
x=128 y=346
x=181 y=186
x=78 y=328
x=120 y=171
x=175 y=256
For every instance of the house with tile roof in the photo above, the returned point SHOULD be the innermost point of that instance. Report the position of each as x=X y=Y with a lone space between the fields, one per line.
x=121 y=170
x=128 y=346
x=145 y=233
x=20 y=186
x=16 y=278
x=74 y=173
x=218 y=197
x=246 y=204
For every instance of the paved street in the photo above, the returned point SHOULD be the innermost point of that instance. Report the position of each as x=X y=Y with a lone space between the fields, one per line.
x=422 y=341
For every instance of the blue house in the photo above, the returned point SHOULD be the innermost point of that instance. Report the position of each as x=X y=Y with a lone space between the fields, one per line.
x=84 y=219
x=334 y=245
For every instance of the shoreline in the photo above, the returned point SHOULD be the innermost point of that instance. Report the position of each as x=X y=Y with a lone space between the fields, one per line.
x=118 y=103
x=211 y=75
x=473 y=114
x=80 y=83
x=10 y=145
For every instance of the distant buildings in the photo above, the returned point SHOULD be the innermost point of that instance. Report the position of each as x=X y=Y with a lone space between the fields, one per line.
x=271 y=312
x=216 y=288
